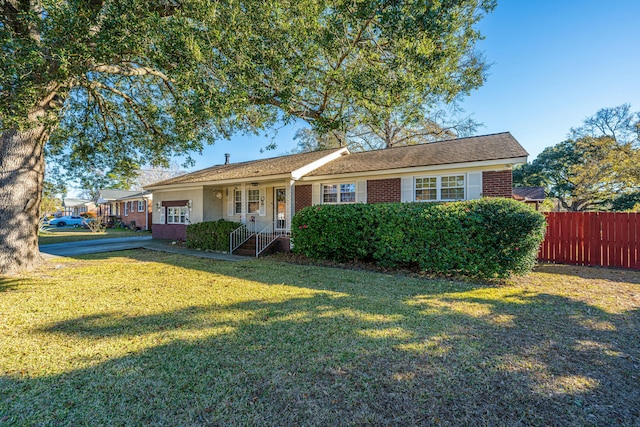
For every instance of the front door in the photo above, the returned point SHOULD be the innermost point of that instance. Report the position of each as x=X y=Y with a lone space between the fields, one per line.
x=280 y=207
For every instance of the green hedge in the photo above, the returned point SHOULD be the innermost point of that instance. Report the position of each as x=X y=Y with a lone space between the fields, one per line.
x=482 y=238
x=213 y=236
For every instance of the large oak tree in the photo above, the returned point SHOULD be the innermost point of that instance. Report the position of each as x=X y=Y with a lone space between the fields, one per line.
x=108 y=85
x=597 y=168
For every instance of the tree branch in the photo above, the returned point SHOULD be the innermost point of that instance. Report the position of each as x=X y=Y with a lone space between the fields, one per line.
x=128 y=99
x=130 y=71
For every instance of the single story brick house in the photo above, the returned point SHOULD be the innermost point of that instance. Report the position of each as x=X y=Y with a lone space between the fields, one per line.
x=268 y=192
x=136 y=210
x=127 y=206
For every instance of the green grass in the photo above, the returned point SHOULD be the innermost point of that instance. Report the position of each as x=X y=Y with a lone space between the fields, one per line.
x=147 y=338
x=70 y=234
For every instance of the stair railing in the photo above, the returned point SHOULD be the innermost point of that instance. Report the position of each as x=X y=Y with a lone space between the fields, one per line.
x=238 y=236
x=266 y=237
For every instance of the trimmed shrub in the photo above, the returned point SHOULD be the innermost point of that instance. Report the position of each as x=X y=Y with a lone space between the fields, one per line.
x=212 y=235
x=482 y=238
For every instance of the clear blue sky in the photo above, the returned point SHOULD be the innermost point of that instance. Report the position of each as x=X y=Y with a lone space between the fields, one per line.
x=553 y=64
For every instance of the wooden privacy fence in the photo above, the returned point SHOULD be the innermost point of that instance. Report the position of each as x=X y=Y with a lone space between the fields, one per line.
x=607 y=239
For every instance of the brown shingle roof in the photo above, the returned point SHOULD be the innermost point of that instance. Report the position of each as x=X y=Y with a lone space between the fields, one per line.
x=251 y=170
x=473 y=149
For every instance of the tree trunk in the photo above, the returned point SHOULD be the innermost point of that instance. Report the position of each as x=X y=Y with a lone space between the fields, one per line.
x=21 y=181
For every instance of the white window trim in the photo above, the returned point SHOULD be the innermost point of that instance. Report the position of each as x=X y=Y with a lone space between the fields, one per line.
x=182 y=212
x=126 y=208
x=439 y=187
x=338 y=201
x=141 y=206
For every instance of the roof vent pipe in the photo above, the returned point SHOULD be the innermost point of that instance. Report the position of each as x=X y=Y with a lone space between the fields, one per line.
x=226 y=158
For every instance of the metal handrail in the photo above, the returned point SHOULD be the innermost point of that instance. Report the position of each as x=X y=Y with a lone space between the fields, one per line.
x=238 y=236
x=266 y=236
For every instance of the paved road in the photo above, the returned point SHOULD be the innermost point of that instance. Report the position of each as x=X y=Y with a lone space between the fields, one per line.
x=71 y=249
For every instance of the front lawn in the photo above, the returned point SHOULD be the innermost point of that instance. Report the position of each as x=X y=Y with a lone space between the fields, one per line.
x=71 y=234
x=147 y=338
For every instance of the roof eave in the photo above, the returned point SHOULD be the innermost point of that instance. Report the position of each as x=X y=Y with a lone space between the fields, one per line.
x=414 y=169
x=184 y=185
x=308 y=168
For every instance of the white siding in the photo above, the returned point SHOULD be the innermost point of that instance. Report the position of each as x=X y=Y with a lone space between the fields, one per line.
x=263 y=202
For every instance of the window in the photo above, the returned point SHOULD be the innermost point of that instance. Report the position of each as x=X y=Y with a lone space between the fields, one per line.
x=426 y=189
x=177 y=215
x=339 y=193
x=140 y=206
x=440 y=188
x=126 y=209
x=253 y=201
x=452 y=188
x=238 y=200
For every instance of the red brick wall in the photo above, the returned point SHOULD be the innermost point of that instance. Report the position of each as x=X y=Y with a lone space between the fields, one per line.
x=303 y=197
x=383 y=190
x=497 y=183
x=142 y=219
x=169 y=231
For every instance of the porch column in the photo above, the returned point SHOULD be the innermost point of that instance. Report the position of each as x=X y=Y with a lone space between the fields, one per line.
x=243 y=214
x=291 y=204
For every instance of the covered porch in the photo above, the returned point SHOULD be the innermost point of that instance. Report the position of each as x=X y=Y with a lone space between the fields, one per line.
x=263 y=208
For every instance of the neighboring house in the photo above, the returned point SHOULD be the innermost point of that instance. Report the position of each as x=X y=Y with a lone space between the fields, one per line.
x=531 y=195
x=75 y=207
x=136 y=210
x=107 y=202
x=269 y=192
x=125 y=206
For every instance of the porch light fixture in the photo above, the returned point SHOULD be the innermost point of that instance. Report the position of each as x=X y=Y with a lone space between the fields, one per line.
x=158 y=205
x=189 y=204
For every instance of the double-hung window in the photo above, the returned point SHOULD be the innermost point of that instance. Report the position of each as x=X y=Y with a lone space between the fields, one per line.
x=439 y=188
x=426 y=189
x=237 y=197
x=140 y=206
x=126 y=209
x=177 y=215
x=253 y=201
x=452 y=187
x=339 y=193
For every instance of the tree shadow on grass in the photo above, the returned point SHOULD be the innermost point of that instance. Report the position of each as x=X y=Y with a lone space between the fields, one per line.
x=592 y=273
x=8 y=284
x=348 y=354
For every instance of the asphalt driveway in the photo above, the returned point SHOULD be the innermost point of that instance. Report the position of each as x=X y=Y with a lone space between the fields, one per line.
x=95 y=246
x=70 y=249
